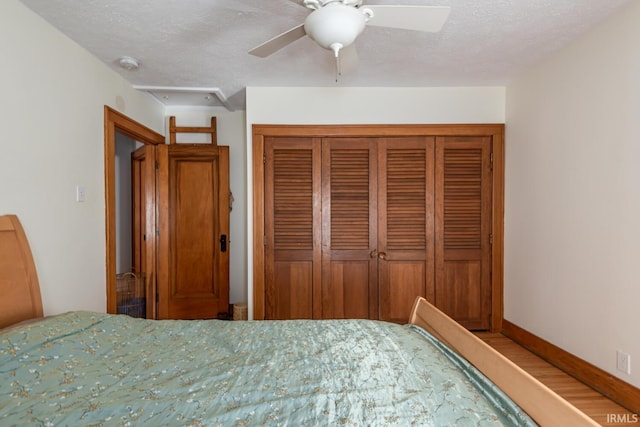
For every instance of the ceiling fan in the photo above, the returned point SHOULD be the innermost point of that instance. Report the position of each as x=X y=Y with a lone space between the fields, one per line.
x=335 y=25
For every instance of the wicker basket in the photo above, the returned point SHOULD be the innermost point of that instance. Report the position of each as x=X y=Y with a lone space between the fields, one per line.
x=131 y=294
x=240 y=311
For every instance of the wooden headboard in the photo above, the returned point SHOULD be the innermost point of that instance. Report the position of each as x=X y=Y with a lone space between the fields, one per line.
x=19 y=289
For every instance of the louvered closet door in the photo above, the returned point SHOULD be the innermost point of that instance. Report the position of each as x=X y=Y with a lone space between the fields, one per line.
x=292 y=228
x=349 y=237
x=463 y=227
x=405 y=218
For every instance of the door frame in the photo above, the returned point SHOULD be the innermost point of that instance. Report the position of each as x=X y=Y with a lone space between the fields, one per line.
x=495 y=131
x=115 y=121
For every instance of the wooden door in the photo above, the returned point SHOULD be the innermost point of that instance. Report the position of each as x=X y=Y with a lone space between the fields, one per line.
x=292 y=228
x=349 y=228
x=405 y=218
x=463 y=229
x=193 y=240
x=143 y=191
x=358 y=226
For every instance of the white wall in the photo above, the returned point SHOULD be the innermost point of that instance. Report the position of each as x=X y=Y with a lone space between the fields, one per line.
x=278 y=105
x=572 y=222
x=51 y=116
x=374 y=105
x=231 y=132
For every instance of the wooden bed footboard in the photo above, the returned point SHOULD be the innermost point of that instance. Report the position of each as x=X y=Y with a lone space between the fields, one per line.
x=541 y=403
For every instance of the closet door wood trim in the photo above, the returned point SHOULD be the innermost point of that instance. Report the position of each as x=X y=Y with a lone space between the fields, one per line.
x=497 y=218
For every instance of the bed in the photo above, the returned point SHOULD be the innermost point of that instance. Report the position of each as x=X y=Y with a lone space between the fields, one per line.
x=85 y=368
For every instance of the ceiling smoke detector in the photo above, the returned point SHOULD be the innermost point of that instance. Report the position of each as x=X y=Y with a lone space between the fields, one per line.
x=128 y=63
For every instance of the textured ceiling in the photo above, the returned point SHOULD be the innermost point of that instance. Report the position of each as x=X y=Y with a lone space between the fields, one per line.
x=204 y=43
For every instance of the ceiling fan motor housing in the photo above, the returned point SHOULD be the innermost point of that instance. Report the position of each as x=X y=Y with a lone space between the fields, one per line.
x=335 y=24
x=317 y=4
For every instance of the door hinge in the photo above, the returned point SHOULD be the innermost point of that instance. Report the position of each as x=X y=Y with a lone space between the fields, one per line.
x=264 y=159
x=157 y=232
x=157 y=164
x=491 y=239
x=491 y=160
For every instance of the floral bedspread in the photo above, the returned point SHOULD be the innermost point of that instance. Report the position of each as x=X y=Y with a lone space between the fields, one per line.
x=83 y=368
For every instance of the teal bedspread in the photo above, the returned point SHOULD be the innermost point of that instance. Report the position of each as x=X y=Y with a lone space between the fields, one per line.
x=84 y=368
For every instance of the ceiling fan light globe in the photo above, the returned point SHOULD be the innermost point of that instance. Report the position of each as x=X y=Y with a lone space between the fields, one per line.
x=335 y=23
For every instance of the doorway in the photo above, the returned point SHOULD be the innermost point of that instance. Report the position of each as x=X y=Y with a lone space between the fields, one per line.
x=131 y=286
x=118 y=126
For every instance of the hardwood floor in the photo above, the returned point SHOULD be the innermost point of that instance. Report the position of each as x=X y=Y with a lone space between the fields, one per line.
x=601 y=409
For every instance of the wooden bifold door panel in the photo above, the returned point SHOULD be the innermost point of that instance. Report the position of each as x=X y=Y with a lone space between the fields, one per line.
x=348 y=228
x=293 y=228
x=405 y=217
x=463 y=231
x=357 y=227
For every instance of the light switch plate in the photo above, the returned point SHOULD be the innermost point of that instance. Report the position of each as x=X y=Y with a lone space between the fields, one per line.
x=80 y=193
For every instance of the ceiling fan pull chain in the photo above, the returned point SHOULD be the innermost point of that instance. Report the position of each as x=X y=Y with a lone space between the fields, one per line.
x=336 y=47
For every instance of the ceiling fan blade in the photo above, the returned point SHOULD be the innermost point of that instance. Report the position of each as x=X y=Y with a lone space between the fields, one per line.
x=420 y=18
x=349 y=59
x=298 y=2
x=278 y=42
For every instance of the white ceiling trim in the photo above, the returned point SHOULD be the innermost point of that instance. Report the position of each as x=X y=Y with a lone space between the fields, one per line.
x=197 y=95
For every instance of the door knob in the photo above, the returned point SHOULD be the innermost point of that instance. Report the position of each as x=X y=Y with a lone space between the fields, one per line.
x=382 y=255
x=373 y=254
